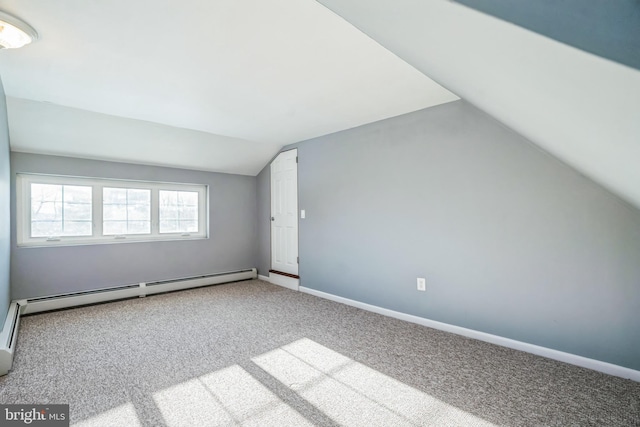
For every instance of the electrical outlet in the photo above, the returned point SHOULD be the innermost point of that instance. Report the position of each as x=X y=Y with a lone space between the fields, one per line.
x=422 y=284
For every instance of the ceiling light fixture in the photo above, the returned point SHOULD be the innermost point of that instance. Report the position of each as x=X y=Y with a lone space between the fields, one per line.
x=15 y=33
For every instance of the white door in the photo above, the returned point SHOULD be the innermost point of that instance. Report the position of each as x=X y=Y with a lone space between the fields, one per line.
x=284 y=212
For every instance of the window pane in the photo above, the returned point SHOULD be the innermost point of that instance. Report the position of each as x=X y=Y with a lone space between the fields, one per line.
x=60 y=210
x=126 y=211
x=168 y=212
x=188 y=226
x=188 y=212
x=139 y=227
x=77 y=228
x=46 y=228
x=114 y=195
x=46 y=192
x=169 y=226
x=77 y=194
x=188 y=198
x=139 y=212
x=77 y=211
x=46 y=211
x=114 y=212
x=114 y=227
x=46 y=205
x=139 y=196
x=168 y=198
x=178 y=211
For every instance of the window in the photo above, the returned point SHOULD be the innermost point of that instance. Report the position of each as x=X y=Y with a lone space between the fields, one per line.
x=126 y=211
x=178 y=211
x=59 y=210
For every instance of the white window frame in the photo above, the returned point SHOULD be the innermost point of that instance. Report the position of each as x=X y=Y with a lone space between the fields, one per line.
x=23 y=211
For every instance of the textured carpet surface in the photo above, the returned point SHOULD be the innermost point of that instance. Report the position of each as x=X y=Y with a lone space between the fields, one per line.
x=251 y=353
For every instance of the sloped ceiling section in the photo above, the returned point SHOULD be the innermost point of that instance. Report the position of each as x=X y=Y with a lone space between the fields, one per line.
x=604 y=28
x=233 y=78
x=581 y=108
x=42 y=128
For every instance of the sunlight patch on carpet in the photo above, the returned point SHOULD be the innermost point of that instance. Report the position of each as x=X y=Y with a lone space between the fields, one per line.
x=353 y=394
x=230 y=396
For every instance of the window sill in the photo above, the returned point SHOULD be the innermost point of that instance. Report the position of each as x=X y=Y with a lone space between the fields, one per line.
x=86 y=242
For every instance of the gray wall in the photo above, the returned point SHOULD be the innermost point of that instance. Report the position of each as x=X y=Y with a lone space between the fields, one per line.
x=54 y=270
x=511 y=241
x=5 y=223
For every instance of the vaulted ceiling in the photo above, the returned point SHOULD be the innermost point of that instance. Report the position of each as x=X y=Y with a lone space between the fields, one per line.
x=222 y=85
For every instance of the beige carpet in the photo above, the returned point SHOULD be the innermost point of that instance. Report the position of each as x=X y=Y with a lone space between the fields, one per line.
x=251 y=353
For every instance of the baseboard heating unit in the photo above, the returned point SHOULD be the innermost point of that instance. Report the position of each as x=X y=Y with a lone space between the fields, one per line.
x=9 y=333
x=9 y=337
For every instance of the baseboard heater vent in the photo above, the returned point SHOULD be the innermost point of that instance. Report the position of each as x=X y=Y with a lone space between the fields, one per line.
x=8 y=337
x=57 y=302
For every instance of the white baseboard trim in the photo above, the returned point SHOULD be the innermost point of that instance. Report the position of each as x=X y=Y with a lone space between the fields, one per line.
x=264 y=278
x=287 y=282
x=573 y=359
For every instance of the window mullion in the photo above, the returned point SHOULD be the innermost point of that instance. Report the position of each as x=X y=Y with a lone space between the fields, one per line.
x=62 y=210
x=126 y=211
x=155 y=212
x=203 y=212
x=97 y=211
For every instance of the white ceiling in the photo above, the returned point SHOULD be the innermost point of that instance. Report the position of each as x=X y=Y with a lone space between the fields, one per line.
x=581 y=108
x=213 y=85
